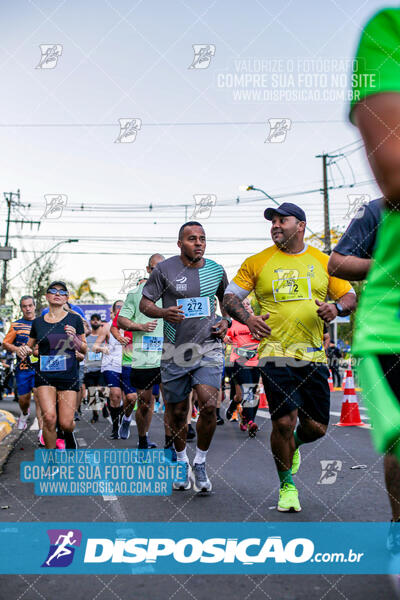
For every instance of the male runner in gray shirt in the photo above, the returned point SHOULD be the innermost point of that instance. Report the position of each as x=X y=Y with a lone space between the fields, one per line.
x=192 y=353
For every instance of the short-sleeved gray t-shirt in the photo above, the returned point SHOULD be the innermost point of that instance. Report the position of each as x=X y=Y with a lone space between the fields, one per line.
x=92 y=361
x=172 y=281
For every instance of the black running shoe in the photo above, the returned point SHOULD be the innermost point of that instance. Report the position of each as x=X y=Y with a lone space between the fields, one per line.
x=231 y=409
x=70 y=441
x=191 y=434
x=150 y=446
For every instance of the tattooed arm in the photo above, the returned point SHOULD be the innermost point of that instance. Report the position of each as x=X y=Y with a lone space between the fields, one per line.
x=234 y=307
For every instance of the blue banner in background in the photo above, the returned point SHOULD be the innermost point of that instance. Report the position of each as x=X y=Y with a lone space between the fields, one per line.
x=212 y=548
x=102 y=309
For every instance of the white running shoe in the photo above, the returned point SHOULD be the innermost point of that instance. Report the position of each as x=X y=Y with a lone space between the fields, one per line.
x=23 y=421
x=184 y=483
x=201 y=482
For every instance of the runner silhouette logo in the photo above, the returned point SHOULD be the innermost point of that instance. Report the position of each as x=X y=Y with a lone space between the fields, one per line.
x=62 y=547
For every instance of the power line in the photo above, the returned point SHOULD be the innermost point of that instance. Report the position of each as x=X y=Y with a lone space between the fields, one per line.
x=164 y=124
x=139 y=253
x=346 y=146
x=129 y=208
x=134 y=239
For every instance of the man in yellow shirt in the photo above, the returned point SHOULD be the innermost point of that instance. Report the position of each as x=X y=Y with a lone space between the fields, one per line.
x=291 y=283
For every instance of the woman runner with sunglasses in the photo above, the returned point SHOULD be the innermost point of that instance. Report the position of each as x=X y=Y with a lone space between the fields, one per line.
x=60 y=336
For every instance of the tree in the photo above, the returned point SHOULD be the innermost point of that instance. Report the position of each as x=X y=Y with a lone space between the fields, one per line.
x=84 y=291
x=317 y=239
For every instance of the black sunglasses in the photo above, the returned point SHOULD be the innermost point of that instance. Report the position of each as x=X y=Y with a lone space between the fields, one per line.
x=56 y=291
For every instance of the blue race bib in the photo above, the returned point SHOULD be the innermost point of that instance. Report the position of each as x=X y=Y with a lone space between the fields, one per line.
x=195 y=307
x=50 y=364
x=152 y=343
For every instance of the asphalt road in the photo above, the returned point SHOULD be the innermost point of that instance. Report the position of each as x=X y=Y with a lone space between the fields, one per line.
x=245 y=489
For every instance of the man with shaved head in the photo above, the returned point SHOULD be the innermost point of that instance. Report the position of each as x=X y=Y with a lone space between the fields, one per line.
x=192 y=356
x=146 y=357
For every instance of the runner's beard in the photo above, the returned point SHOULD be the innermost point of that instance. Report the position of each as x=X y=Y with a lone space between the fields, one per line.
x=196 y=259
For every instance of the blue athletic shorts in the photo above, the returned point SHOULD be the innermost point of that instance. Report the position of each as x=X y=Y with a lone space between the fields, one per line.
x=25 y=381
x=127 y=387
x=113 y=378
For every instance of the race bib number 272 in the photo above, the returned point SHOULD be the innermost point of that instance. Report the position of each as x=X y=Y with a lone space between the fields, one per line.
x=195 y=307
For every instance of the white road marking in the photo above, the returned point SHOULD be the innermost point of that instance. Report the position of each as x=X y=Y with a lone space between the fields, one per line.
x=265 y=415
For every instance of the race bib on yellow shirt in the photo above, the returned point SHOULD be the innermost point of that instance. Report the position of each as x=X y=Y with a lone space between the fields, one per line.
x=285 y=290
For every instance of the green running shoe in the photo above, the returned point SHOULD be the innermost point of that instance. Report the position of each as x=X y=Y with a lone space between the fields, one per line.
x=296 y=461
x=289 y=499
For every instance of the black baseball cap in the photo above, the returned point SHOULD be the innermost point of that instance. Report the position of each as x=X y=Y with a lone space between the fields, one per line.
x=287 y=209
x=60 y=283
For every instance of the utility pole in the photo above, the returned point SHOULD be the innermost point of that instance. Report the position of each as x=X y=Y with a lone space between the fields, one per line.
x=9 y=199
x=327 y=228
x=11 y=203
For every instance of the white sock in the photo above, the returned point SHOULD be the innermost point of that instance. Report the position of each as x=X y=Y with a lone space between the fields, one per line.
x=200 y=457
x=22 y=416
x=182 y=456
x=128 y=418
x=40 y=433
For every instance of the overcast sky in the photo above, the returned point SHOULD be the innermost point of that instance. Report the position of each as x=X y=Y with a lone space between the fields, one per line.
x=202 y=130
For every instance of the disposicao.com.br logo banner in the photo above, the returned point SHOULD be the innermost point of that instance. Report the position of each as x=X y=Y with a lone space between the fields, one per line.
x=212 y=548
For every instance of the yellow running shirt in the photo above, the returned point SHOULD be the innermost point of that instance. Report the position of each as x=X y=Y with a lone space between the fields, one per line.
x=286 y=286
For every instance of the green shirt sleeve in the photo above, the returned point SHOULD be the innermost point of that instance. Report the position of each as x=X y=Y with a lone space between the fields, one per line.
x=130 y=307
x=376 y=66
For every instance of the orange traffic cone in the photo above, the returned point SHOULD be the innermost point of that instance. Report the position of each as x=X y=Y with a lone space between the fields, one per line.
x=263 y=398
x=350 y=414
x=330 y=381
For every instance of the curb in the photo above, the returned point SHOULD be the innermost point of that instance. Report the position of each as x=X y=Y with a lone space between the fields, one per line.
x=7 y=420
x=7 y=445
x=9 y=436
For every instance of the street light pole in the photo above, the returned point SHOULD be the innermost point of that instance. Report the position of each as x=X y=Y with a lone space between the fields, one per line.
x=251 y=188
x=43 y=254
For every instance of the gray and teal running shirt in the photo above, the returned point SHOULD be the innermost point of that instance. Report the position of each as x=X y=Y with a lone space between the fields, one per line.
x=173 y=282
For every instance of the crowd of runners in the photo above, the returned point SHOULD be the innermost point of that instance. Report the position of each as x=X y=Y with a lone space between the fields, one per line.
x=166 y=346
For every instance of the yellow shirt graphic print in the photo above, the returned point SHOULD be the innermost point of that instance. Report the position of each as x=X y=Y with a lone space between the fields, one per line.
x=289 y=286
x=286 y=287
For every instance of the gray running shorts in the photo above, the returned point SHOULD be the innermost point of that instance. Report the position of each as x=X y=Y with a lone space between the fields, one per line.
x=179 y=381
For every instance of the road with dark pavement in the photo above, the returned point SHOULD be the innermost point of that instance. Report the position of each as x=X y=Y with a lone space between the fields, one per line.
x=245 y=488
